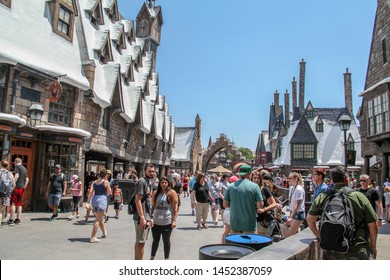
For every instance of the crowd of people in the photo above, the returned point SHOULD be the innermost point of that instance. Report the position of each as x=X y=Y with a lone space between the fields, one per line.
x=246 y=202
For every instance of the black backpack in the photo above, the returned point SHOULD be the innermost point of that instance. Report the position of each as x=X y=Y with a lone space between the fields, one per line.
x=337 y=225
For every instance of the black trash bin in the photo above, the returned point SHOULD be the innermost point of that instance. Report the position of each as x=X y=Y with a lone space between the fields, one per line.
x=255 y=241
x=224 y=252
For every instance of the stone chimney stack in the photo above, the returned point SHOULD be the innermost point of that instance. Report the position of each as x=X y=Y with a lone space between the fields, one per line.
x=302 y=67
x=276 y=102
x=348 y=91
x=287 y=109
x=294 y=93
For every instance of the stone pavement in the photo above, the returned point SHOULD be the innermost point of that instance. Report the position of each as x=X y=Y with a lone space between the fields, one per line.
x=36 y=238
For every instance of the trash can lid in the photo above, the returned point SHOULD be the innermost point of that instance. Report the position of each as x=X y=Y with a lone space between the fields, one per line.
x=248 y=238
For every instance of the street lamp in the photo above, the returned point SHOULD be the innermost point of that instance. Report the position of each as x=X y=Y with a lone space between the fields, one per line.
x=35 y=111
x=345 y=124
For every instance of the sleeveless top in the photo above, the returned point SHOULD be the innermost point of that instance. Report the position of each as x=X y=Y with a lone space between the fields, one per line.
x=100 y=189
x=162 y=214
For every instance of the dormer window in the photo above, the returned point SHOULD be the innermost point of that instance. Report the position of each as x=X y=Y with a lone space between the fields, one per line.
x=130 y=36
x=6 y=3
x=64 y=21
x=309 y=111
x=319 y=125
x=97 y=16
x=129 y=76
x=113 y=13
x=120 y=44
x=350 y=143
x=105 y=54
x=63 y=18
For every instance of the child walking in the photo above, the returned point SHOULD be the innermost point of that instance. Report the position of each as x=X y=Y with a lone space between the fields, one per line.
x=118 y=199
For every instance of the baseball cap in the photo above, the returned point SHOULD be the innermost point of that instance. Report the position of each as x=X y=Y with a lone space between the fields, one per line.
x=57 y=166
x=244 y=169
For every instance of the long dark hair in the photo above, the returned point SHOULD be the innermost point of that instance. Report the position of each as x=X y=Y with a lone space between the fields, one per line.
x=159 y=188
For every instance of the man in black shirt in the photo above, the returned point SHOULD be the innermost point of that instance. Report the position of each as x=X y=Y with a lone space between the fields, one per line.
x=55 y=190
x=372 y=195
x=21 y=180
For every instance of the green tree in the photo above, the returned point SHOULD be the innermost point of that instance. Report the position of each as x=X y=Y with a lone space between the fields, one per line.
x=247 y=153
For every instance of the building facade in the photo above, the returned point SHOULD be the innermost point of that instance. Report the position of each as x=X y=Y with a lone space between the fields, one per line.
x=78 y=87
x=374 y=111
x=307 y=136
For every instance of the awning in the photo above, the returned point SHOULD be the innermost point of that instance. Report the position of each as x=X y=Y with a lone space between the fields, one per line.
x=12 y=119
x=64 y=130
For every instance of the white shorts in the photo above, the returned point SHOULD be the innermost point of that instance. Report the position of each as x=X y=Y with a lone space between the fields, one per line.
x=226 y=216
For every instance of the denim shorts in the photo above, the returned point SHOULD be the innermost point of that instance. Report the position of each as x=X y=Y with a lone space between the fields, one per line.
x=300 y=216
x=54 y=199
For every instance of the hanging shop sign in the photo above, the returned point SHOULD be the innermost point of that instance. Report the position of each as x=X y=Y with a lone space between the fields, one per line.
x=55 y=91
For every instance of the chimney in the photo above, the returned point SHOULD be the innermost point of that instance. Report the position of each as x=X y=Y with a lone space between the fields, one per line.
x=294 y=93
x=302 y=65
x=287 y=109
x=348 y=91
x=276 y=103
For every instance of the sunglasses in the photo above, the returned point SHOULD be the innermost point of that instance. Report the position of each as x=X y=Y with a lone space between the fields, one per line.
x=363 y=181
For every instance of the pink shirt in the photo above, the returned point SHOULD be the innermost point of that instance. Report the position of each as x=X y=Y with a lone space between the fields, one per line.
x=77 y=185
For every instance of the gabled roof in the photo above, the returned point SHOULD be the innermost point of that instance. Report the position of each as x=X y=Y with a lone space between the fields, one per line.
x=303 y=133
x=184 y=141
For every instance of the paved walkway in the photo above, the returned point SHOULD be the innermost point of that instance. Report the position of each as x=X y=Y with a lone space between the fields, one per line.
x=38 y=238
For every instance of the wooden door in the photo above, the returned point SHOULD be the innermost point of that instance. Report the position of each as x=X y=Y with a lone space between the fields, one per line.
x=25 y=150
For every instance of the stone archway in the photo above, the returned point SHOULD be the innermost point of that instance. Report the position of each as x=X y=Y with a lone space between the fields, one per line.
x=221 y=143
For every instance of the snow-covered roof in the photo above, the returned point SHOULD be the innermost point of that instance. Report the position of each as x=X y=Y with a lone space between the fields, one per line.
x=12 y=119
x=384 y=81
x=107 y=75
x=62 y=129
x=50 y=54
x=184 y=138
x=330 y=147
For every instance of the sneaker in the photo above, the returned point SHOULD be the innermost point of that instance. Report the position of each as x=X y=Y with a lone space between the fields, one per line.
x=199 y=227
x=11 y=222
x=71 y=217
x=116 y=217
x=94 y=240
x=204 y=226
x=17 y=221
x=77 y=216
x=53 y=218
x=106 y=220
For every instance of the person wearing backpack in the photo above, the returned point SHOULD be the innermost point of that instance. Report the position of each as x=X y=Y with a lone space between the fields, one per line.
x=7 y=184
x=372 y=195
x=358 y=240
x=142 y=218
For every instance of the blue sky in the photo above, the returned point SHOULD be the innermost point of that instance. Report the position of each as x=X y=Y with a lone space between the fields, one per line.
x=225 y=59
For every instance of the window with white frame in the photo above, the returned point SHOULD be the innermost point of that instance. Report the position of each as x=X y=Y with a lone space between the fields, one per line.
x=378 y=114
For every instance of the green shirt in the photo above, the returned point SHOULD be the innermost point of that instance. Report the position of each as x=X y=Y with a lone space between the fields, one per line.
x=364 y=214
x=242 y=196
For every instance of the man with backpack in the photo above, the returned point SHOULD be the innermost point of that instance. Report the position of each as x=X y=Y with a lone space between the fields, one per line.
x=142 y=217
x=347 y=228
x=7 y=184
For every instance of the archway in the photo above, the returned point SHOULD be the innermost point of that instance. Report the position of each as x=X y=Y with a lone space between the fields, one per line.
x=221 y=143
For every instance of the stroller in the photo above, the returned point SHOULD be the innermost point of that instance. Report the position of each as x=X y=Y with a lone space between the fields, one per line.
x=280 y=219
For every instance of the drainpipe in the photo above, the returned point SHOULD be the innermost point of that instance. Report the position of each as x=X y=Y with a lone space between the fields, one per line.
x=14 y=85
x=6 y=139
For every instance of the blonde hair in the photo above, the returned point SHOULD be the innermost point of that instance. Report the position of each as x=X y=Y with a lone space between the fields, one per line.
x=299 y=176
x=387 y=189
